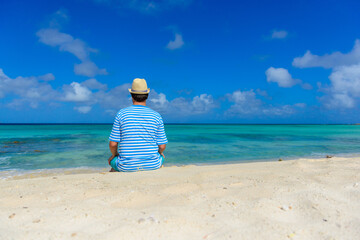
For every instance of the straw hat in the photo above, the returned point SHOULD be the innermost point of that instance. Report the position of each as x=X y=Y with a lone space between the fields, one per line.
x=139 y=86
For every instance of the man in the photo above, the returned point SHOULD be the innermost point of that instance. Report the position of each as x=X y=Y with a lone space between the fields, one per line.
x=137 y=139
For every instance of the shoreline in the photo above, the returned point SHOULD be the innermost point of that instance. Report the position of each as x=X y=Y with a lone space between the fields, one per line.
x=111 y=123
x=292 y=199
x=34 y=173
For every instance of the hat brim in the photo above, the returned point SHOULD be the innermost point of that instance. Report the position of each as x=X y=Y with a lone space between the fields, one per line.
x=139 y=92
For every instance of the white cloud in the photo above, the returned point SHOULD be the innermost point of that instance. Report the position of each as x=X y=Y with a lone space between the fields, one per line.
x=346 y=79
x=158 y=101
x=246 y=103
x=284 y=110
x=75 y=92
x=146 y=6
x=300 y=105
x=59 y=18
x=33 y=91
x=53 y=37
x=263 y=93
x=67 y=43
x=114 y=99
x=306 y=86
x=283 y=78
x=332 y=60
x=92 y=83
x=345 y=87
x=30 y=90
x=4 y=81
x=119 y=97
x=202 y=104
x=177 y=43
x=47 y=77
x=181 y=107
x=279 y=34
x=88 y=69
x=83 y=109
x=338 y=100
x=344 y=90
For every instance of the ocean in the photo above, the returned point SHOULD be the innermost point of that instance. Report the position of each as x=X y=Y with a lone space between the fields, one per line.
x=25 y=148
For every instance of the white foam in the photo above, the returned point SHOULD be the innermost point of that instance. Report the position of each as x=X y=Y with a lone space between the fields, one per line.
x=5 y=160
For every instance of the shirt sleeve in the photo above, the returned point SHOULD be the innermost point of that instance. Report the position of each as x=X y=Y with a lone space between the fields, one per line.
x=160 y=134
x=115 y=132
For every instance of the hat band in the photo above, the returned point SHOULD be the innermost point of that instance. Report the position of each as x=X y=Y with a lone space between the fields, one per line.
x=139 y=90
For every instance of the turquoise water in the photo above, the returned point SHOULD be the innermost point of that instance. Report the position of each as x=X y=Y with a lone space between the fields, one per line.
x=30 y=147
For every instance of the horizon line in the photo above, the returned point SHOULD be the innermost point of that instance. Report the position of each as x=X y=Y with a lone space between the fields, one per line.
x=186 y=123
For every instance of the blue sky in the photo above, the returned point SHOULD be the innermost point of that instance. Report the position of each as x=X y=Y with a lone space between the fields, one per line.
x=205 y=61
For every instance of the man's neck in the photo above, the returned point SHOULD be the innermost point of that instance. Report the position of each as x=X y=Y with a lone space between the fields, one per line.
x=139 y=103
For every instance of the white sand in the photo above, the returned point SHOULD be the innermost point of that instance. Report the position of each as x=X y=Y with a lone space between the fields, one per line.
x=301 y=199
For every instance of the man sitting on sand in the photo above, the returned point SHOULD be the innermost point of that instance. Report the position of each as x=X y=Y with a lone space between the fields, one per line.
x=138 y=133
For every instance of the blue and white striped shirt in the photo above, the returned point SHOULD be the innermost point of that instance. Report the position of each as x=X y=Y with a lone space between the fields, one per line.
x=139 y=130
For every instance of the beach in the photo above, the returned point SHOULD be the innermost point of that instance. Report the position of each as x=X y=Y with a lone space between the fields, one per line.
x=295 y=199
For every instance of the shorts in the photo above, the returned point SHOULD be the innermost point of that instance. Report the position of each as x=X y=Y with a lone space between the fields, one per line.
x=115 y=167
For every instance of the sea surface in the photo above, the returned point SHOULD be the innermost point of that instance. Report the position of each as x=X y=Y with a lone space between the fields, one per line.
x=25 y=148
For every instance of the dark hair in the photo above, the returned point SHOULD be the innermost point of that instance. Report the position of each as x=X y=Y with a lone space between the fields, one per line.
x=139 y=97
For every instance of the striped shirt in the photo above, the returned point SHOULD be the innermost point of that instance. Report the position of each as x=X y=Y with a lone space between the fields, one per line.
x=139 y=130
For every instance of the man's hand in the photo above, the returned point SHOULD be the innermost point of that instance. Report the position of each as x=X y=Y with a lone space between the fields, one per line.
x=113 y=146
x=111 y=158
x=162 y=149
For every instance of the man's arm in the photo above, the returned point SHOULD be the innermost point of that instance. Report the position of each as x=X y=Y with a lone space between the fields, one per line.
x=162 y=149
x=113 y=146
